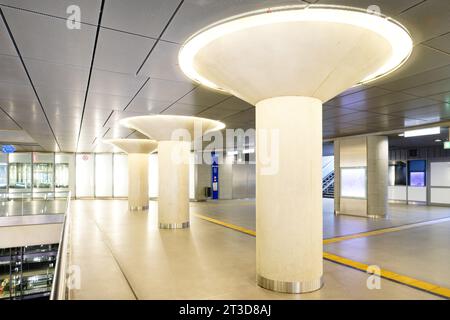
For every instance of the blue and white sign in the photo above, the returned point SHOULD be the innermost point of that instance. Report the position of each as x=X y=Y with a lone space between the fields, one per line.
x=215 y=176
x=7 y=148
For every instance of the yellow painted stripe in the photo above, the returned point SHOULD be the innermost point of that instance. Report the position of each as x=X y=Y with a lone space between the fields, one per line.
x=383 y=231
x=411 y=282
x=227 y=225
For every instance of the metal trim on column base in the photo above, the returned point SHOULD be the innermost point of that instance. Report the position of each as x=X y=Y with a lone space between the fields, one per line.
x=138 y=208
x=183 y=225
x=289 y=287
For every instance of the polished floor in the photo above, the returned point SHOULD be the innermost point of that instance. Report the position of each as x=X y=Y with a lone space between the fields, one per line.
x=123 y=255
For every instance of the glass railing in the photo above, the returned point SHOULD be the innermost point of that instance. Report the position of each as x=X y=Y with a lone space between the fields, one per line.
x=33 y=203
x=34 y=272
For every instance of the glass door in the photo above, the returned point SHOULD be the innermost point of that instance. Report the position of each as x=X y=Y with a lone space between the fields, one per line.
x=3 y=173
x=43 y=175
x=20 y=174
x=64 y=174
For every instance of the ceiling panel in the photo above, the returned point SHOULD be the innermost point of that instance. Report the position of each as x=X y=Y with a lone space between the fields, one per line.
x=112 y=83
x=164 y=90
x=234 y=103
x=441 y=43
x=13 y=92
x=138 y=16
x=427 y=20
x=6 y=123
x=89 y=8
x=197 y=14
x=57 y=76
x=444 y=97
x=163 y=63
x=357 y=96
x=333 y=112
x=203 y=97
x=107 y=101
x=64 y=101
x=21 y=109
x=431 y=89
x=380 y=101
x=216 y=113
x=6 y=45
x=410 y=104
x=114 y=54
x=387 y=7
x=147 y=105
x=433 y=75
x=435 y=113
x=422 y=59
x=12 y=70
x=54 y=42
x=184 y=109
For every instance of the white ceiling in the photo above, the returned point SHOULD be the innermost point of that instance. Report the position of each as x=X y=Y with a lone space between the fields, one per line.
x=82 y=82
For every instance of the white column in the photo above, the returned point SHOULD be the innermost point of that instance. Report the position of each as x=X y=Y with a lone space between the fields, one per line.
x=377 y=175
x=137 y=181
x=289 y=194
x=337 y=177
x=173 y=201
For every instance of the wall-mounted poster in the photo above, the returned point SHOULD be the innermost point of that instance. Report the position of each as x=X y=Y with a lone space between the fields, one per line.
x=353 y=183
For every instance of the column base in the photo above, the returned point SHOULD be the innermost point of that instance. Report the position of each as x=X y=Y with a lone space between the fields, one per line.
x=183 y=225
x=138 y=208
x=289 y=287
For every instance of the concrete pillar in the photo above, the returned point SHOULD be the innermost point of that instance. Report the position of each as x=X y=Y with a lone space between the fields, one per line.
x=363 y=153
x=377 y=175
x=289 y=194
x=337 y=178
x=173 y=201
x=137 y=181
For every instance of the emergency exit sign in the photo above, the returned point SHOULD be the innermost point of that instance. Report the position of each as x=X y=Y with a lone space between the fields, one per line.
x=447 y=145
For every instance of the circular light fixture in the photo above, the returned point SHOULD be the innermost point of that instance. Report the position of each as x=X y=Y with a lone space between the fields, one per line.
x=397 y=35
x=438 y=140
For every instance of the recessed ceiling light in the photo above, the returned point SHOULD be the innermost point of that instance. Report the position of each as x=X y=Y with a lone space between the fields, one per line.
x=398 y=37
x=423 y=132
x=438 y=140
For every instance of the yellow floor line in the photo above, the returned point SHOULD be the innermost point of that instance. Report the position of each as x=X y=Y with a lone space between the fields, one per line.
x=226 y=224
x=383 y=231
x=411 y=282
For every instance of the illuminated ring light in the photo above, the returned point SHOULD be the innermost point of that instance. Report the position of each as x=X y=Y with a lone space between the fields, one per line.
x=396 y=34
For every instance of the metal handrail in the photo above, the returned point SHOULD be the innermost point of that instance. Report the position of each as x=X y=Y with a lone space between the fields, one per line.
x=59 y=284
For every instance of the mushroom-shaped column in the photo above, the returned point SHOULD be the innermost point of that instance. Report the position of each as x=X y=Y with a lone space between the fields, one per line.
x=174 y=135
x=138 y=151
x=287 y=61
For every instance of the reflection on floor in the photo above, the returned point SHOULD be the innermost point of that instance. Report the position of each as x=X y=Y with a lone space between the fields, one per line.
x=124 y=255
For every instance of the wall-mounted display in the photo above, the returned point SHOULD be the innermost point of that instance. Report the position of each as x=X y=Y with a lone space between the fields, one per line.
x=354 y=183
x=417 y=173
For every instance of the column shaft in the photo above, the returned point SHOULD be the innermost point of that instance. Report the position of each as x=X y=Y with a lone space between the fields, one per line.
x=289 y=194
x=173 y=201
x=337 y=177
x=137 y=181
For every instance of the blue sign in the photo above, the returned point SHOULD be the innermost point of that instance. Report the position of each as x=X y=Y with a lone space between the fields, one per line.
x=215 y=175
x=8 y=148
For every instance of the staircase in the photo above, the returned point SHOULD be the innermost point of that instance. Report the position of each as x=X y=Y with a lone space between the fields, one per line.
x=328 y=186
x=328 y=177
